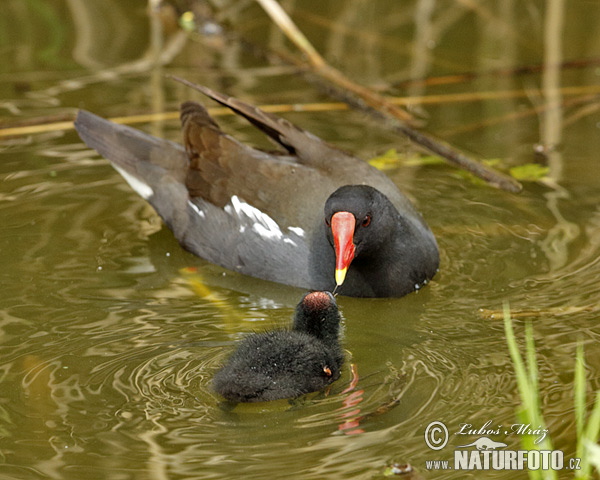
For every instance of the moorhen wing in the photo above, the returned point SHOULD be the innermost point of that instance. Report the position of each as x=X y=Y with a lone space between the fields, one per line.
x=286 y=363
x=277 y=216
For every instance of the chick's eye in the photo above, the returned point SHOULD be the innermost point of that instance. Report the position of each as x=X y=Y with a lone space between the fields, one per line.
x=366 y=221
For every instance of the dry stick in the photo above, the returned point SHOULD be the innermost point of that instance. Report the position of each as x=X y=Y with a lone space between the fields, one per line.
x=395 y=118
x=284 y=22
x=44 y=119
x=497 y=72
x=585 y=99
x=586 y=110
x=542 y=312
x=320 y=67
x=444 y=150
x=490 y=95
x=68 y=125
x=41 y=125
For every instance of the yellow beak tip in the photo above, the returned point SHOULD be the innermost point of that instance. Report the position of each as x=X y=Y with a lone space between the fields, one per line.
x=340 y=275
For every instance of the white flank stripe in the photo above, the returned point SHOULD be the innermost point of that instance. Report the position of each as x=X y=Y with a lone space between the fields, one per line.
x=143 y=189
x=258 y=221
x=266 y=232
x=261 y=222
x=297 y=230
x=253 y=213
x=196 y=209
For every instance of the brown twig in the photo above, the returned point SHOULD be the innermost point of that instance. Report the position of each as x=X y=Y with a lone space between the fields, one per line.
x=497 y=72
x=520 y=114
x=378 y=106
x=542 y=312
x=321 y=68
x=41 y=124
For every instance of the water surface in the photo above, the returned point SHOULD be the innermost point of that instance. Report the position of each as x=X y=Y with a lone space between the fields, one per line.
x=108 y=339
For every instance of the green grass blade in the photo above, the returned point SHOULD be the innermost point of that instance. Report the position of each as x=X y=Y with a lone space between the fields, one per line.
x=590 y=456
x=517 y=360
x=593 y=426
x=527 y=383
x=532 y=368
x=580 y=389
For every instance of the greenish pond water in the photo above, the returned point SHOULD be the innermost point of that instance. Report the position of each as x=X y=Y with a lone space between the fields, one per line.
x=108 y=343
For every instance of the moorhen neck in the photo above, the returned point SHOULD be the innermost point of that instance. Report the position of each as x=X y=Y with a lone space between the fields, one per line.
x=277 y=216
x=286 y=364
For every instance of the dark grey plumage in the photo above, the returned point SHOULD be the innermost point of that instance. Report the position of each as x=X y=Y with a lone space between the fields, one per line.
x=286 y=363
x=261 y=213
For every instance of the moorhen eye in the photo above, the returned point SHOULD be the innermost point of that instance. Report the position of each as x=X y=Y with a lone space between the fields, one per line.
x=366 y=221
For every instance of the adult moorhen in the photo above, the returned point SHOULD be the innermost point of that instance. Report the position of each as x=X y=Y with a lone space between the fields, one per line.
x=276 y=216
x=286 y=363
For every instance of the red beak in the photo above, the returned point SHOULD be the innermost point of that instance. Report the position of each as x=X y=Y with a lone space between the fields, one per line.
x=342 y=227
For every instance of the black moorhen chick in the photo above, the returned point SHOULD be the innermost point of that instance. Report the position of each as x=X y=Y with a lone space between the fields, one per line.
x=261 y=214
x=286 y=364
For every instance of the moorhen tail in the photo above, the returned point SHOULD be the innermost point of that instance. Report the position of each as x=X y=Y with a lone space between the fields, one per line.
x=286 y=364
x=310 y=216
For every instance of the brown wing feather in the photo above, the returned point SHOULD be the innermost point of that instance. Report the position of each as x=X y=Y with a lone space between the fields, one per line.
x=291 y=188
x=221 y=167
x=335 y=166
x=306 y=147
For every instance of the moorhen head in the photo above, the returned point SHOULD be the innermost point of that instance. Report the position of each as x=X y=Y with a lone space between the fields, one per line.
x=378 y=253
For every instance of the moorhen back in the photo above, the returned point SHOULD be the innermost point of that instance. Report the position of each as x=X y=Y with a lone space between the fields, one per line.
x=310 y=216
